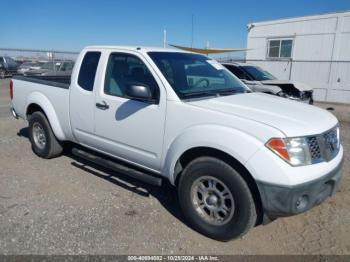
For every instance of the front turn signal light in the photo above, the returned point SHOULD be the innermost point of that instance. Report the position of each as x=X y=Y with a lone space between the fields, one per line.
x=278 y=146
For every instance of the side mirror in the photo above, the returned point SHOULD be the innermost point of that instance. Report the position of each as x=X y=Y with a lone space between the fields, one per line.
x=139 y=92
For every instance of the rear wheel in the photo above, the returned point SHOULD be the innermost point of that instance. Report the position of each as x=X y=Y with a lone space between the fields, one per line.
x=44 y=143
x=216 y=200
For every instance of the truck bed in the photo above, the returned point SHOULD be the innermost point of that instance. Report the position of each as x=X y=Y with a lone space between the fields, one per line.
x=49 y=92
x=57 y=81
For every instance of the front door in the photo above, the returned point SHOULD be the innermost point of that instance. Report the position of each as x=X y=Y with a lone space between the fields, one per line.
x=128 y=129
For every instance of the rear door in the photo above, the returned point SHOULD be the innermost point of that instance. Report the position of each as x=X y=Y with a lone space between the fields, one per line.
x=82 y=97
x=128 y=129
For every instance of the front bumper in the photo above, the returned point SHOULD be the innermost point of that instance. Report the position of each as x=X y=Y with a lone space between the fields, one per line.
x=304 y=97
x=280 y=201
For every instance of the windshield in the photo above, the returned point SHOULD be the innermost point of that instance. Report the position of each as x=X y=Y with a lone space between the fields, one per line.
x=258 y=74
x=192 y=75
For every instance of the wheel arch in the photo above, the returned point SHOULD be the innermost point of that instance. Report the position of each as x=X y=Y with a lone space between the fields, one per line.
x=38 y=102
x=32 y=108
x=197 y=152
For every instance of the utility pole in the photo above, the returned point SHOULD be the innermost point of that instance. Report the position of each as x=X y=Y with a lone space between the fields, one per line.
x=192 y=30
x=164 y=38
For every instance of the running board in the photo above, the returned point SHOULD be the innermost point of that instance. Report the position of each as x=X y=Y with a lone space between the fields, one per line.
x=113 y=165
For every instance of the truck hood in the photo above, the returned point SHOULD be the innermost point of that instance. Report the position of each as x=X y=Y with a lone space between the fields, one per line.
x=297 y=85
x=290 y=117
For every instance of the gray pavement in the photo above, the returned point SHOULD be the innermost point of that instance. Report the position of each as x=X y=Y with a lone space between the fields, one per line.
x=65 y=206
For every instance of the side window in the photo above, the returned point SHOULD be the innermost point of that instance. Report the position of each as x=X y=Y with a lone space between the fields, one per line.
x=67 y=66
x=124 y=70
x=70 y=66
x=63 y=67
x=237 y=72
x=58 y=65
x=88 y=69
x=279 y=48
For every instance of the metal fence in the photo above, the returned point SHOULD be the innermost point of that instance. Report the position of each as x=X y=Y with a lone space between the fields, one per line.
x=37 y=55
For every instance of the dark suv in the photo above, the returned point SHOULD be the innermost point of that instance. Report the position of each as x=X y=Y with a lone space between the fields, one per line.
x=8 y=66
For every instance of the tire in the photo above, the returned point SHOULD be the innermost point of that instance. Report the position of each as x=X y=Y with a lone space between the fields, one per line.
x=2 y=74
x=242 y=215
x=40 y=131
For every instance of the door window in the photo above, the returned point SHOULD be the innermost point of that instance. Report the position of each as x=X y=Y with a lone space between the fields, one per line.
x=237 y=72
x=124 y=70
x=67 y=66
x=88 y=69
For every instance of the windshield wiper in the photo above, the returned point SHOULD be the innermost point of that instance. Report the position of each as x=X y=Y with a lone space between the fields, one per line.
x=197 y=94
x=227 y=91
x=217 y=92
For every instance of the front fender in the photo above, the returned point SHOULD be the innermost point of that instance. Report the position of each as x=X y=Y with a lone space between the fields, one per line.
x=42 y=101
x=231 y=141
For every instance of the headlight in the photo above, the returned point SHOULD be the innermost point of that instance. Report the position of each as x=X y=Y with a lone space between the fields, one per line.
x=294 y=150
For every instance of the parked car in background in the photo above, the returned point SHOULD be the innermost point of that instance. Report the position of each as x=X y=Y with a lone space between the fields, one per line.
x=259 y=80
x=56 y=68
x=26 y=66
x=8 y=66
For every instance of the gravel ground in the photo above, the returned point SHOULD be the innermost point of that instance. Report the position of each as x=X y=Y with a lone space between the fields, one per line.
x=63 y=206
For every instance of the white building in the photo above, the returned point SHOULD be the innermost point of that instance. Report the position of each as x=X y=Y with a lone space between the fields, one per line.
x=311 y=49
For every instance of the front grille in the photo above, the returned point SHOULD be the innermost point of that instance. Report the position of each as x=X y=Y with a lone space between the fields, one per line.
x=314 y=149
x=324 y=147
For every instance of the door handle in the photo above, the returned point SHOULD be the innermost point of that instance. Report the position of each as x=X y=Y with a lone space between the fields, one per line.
x=102 y=106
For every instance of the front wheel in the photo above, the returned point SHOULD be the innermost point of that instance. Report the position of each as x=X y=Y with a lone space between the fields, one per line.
x=216 y=200
x=44 y=143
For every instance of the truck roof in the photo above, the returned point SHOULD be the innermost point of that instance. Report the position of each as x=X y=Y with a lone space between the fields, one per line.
x=137 y=48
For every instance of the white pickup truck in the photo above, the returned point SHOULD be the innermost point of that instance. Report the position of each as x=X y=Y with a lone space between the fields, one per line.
x=238 y=158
